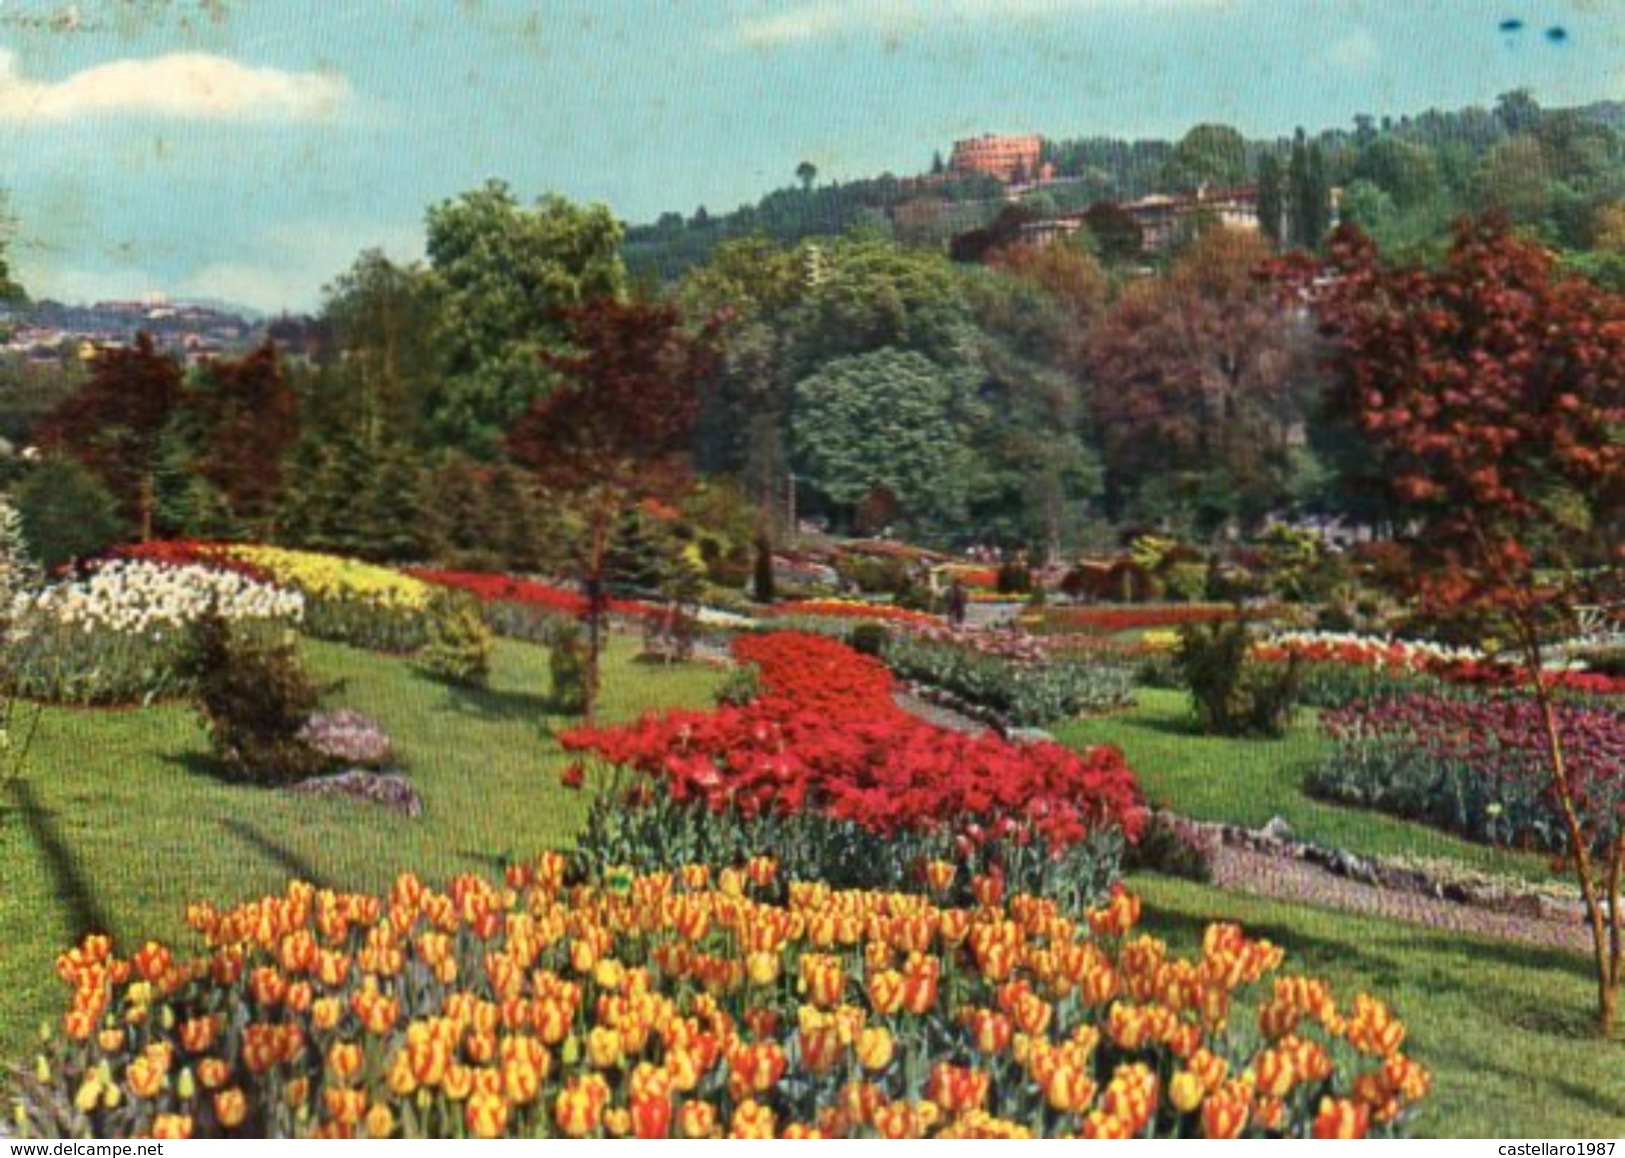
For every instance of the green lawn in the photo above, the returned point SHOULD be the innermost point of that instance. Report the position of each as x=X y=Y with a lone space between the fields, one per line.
x=1250 y=781
x=1507 y=1031
x=119 y=822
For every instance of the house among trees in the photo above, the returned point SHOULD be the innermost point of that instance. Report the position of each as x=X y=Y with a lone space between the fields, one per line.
x=1015 y=160
x=1162 y=218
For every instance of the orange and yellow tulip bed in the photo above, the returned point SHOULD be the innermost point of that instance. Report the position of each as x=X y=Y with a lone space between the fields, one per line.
x=704 y=1002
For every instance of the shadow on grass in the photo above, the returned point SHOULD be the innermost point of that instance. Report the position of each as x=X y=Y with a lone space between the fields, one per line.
x=1427 y=957
x=85 y=914
x=489 y=704
x=285 y=858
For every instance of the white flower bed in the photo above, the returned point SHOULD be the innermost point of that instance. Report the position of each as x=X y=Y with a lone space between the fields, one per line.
x=141 y=598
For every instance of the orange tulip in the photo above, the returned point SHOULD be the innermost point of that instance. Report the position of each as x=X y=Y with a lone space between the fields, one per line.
x=1341 y=1118
x=230 y=1107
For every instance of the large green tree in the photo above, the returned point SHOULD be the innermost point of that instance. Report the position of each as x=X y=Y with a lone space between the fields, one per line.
x=1210 y=155
x=502 y=275
x=883 y=423
x=380 y=318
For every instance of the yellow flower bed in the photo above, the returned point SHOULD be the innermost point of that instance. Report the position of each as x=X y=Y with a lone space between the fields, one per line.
x=348 y=600
x=334 y=577
x=703 y=1003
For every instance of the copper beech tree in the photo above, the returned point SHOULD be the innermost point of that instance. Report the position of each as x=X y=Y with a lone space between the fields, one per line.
x=615 y=429
x=115 y=424
x=1492 y=392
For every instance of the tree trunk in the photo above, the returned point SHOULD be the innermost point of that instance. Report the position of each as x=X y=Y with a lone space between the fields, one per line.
x=597 y=555
x=1607 y=956
x=146 y=504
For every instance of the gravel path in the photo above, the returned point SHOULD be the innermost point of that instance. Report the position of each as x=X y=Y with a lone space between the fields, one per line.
x=1286 y=878
x=936 y=714
x=1243 y=870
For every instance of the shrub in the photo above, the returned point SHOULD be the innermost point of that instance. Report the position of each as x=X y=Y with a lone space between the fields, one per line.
x=19 y=572
x=255 y=701
x=567 y=665
x=762 y=589
x=722 y=999
x=742 y=685
x=870 y=639
x=878 y=576
x=1014 y=578
x=1185 y=582
x=66 y=513
x=460 y=643
x=1233 y=694
x=1173 y=846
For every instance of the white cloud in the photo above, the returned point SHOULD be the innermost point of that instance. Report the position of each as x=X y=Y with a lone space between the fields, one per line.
x=1355 y=53
x=817 y=19
x=182 y=85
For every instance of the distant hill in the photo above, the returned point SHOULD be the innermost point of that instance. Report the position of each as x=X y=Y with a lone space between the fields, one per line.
x=931 y=208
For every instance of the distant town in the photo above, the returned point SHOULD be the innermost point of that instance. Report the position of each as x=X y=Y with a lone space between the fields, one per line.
x=49 y=331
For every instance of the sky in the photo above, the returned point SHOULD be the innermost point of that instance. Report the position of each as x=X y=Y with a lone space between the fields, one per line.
x=247 y=150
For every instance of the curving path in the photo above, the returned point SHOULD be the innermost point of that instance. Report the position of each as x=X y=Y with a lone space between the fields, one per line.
x=1289 y=879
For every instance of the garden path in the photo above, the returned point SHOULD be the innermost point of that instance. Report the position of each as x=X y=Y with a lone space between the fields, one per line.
x=1285 y=878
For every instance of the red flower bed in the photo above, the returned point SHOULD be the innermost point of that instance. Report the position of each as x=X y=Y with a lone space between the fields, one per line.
x=853 y=609
x=191 y=553
x=1491 y=674
x=490 y=588
x=1109 y=620
x=825 y=734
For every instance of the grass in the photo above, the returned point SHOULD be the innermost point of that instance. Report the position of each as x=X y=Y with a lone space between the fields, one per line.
x=1506 y=1030
x=1250 y=781
x=120 y=820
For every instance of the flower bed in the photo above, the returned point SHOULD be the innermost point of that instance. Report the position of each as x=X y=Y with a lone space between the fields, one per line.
x=1009 y=673
x=825 y=768
x=347 y=600
x=701 y=1003
x=854 y=609
x=1339 y=668
x=117 y=636
x=1477 y=766
x=1111 y=620
x=525 y=608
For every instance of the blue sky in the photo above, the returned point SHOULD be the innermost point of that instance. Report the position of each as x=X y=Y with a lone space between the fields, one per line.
x=248 y=149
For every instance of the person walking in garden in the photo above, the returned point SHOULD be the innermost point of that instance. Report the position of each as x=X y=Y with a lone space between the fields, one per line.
x=956 y=603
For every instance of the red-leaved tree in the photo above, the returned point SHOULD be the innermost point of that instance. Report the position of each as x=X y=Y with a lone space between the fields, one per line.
x=615 y=429
x=1492 y=391
x=249 y=418
x=114 y=425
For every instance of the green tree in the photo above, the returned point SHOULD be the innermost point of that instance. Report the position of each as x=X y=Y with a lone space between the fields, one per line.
x=501 y=274
x=66 y=512
x=883 y=421
x=1405 y=171
x=1209 y=155
x=380 y=317
x=1309 y=193
x=1272 y=198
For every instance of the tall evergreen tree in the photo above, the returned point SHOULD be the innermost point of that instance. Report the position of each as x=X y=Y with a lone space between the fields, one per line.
x=1271 y=203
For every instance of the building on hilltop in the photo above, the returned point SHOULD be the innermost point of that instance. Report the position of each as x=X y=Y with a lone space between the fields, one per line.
x=1162 y=218
x=1015 y=160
